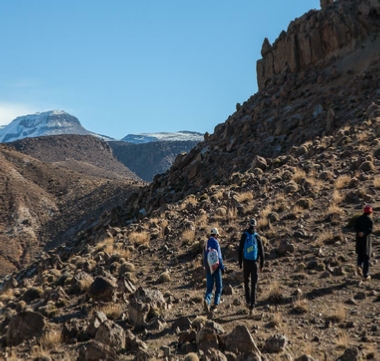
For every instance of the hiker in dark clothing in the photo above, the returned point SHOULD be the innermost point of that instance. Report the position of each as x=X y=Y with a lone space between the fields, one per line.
x=249 y=263
x=215 y=276
x=363 y=229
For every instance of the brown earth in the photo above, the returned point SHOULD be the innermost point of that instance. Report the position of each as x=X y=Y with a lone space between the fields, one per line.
x=302 y=156
x=43 y=203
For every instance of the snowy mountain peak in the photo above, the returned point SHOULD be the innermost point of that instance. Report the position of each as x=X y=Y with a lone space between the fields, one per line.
x=183 y=135
x=51 y=122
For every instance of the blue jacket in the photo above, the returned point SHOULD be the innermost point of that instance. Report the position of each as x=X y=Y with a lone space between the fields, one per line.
x=214 y=244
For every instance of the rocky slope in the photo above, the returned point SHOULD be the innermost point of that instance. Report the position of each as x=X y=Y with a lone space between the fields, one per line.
x=149 y=159
x=302 y=156
x=82 y=153
x=45 y=202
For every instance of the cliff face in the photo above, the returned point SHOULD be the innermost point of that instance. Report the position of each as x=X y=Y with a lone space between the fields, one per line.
x=317 y=37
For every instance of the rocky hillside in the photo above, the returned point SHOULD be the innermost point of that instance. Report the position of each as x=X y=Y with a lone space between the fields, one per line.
x=45 y=202
x=149 y=159
x=82 y=153
x=302 y=156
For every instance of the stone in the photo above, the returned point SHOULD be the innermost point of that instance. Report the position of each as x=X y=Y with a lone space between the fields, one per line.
x=95 y=351
x=96 y=320
x=102 y=289
x=24 y=326
x=276 y=343
x=241 y=340
x=111 y=334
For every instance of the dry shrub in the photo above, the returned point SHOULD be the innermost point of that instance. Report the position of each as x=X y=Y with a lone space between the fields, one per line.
x=337 y=197
x=112 y=310
x=85 y=284
x=298 y=175
x=188 y=236
x=300 y=305
x=51 y=340
x=334 y=209
x=191 y=357
x=342 y=340
x=201 y=221
x=7 y=295
x=263 y=218
x=342 y=181
x=275 y=294
x=139 y=238
x=106 y=242
x=244 y=197
x=216 y=196
x=164 y=277
x=198 y=322
x=275 y=319
x=122 y=252
x=232 y=213
x=337 y=314
x=126 y=267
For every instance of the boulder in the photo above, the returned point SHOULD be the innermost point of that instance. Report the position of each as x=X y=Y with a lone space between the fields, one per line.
x=276 y=343
x=241 y=340
x=96 y=320
x=95 y=351
x=24 y=326
x=111 y=334
x=102 y=289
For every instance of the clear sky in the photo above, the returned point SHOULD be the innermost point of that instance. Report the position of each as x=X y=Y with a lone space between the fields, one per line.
x=136 y=66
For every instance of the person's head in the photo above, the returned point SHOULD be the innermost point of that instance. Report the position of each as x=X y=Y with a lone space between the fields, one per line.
x=252 y=223
x=214 y=232
x=367 y=210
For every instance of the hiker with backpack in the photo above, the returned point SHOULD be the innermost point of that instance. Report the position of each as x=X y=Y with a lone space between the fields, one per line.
x=363 y=229
x=214 y=267
x=250 y=251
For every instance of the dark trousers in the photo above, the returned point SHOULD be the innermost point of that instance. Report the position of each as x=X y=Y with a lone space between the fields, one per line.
x=363 y=261
x=250 y=270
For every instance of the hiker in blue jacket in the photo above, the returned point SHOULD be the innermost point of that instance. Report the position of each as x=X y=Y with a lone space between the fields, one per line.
x=215 y=276
x=250 y=251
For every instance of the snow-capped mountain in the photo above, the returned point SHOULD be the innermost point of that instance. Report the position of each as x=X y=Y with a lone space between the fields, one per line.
x=52 y=122
x=163 y=136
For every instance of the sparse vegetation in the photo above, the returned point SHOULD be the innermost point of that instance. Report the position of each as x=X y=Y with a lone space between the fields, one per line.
x=139 y=238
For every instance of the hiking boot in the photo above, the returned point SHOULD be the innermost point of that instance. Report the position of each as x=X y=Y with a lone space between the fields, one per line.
x=206 y=306
x=214 y=309
x=251 y=311
x=367 y=278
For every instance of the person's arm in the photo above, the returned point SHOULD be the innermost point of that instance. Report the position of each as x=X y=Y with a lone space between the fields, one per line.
x=205 y=255
x=369 y=227
x=261 y=252
x=241 y=248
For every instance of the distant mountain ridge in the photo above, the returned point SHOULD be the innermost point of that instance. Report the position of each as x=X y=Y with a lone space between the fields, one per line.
x=182 y=135
x=53 y=122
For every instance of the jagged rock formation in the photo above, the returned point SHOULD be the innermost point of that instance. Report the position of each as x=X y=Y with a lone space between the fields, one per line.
x=317 y=38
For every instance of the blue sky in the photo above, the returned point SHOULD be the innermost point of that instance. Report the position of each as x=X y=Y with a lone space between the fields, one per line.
x=124 y=66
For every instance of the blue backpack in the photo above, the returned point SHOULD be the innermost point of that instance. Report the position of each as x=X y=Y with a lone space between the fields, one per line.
x=250 y=247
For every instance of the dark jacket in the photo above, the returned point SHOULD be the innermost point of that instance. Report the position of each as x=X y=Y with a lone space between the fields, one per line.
x=213 y=244
x=260 y=255
x=364 y=224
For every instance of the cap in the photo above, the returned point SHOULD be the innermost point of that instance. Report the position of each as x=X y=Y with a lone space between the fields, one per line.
x=253 y=222
x=368 y=209
x=215 y=232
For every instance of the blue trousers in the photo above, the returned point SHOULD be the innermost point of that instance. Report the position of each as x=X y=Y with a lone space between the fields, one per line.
x=363 y=259
x=216 y=278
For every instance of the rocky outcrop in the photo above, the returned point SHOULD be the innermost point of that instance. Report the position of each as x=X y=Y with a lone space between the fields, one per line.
x=316 y=37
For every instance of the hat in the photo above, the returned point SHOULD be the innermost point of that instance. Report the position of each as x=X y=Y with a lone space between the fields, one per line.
x=368 y=209
x=215 y=232
x=253 y=222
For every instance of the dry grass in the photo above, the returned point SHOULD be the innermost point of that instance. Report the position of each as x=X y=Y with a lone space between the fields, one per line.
x=139 y=238
x=298 y=175
x=244 y=197
x=85 y=284
x=188 y=236
x=275 y=319
x=342 y=181
x=122 y=252
x=275 y=294
x=104 y=244
x=232 y=214
x=300 y=305
x=337 y=314
x=263 y=218
x=343 y=340
x=6 y=295
x=337 y=197
x=202 y=220
x=325 y=237
x=51 y=340
x=334 y=209
x=112 y=310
